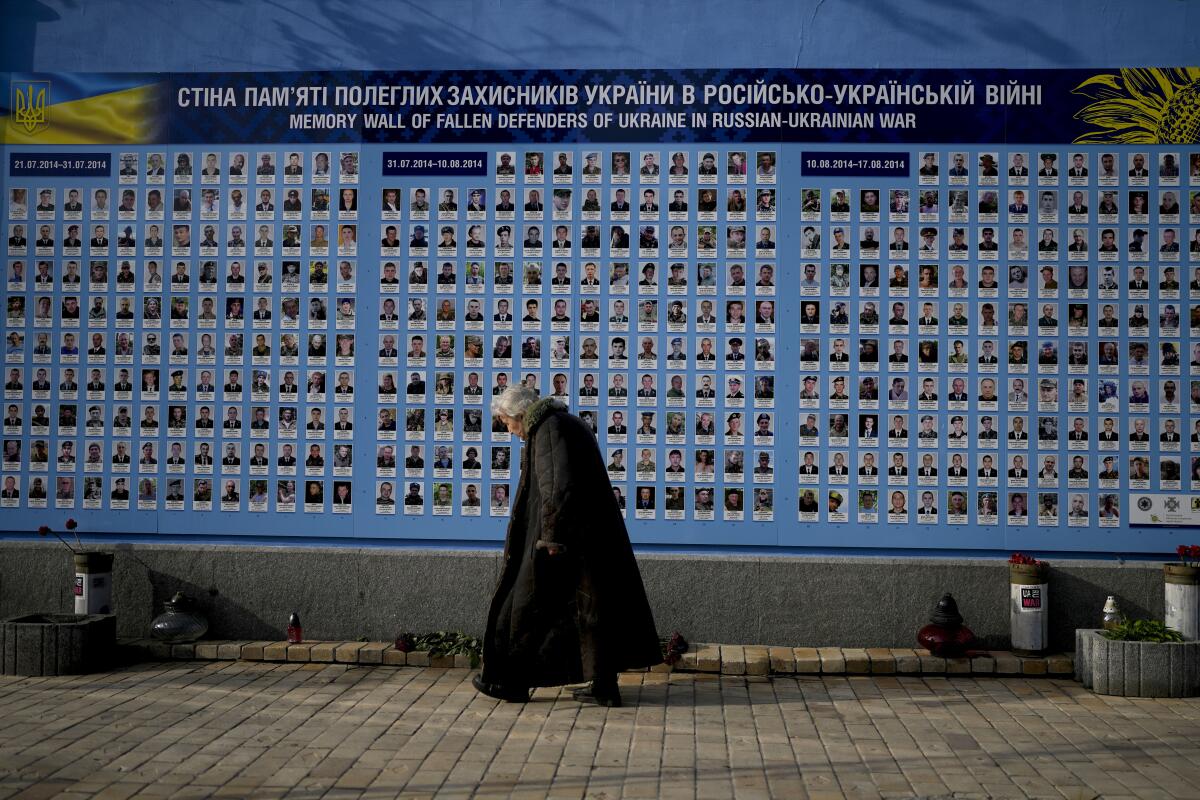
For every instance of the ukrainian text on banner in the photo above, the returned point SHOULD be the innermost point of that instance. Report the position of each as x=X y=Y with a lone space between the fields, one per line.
x=1141 y=105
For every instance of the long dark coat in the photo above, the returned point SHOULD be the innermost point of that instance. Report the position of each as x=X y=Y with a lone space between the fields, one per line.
x=569 y=617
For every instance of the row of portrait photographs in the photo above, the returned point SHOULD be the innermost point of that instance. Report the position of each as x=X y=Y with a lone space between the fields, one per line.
x=185 y=240
x=1020 y=467
x=265 y=164
x=444 y=498
x=677 y=315
x=707 y=163
x=733 y=426
x=989 y=507
x=615 y=239
x=289 y=495
x=1048 y=281
x=955 y=280
x=989 y=205
x=282 y=495
x=932 y=356
x=239 y=276
x=453 y=204
x=1049 y=167
x=447 y=350
x=619 y=166
x=928 y=467
x=987 y=247
x=1046 y=395
x=985 y=242
x=213 y=204
x=214 y=167
x=449 y=204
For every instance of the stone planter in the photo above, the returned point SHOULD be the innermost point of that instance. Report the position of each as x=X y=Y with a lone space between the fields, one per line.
x=1136 y=669
x=57 y=644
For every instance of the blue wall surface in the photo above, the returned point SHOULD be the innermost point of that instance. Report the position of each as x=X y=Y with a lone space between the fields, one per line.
x=228 y=36
x=225 y=35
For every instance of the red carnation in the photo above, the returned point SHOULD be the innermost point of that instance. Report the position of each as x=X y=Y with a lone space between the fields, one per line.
x=46 y=530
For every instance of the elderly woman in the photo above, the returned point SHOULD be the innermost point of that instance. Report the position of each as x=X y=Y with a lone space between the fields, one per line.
x=570 y=606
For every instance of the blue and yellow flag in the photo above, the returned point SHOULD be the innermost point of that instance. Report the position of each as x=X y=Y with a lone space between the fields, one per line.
x=82 y=109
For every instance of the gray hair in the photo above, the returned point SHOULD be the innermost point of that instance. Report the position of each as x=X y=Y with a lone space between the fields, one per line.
x=513 y=401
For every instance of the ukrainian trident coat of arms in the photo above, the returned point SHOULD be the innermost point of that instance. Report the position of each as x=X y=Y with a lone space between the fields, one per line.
x=30 y=100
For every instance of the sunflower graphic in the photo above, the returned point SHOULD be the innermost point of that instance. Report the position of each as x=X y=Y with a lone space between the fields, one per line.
x=1148 y=105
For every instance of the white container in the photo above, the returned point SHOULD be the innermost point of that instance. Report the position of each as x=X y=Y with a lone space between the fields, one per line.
x=1028 y=609
x=93 y=583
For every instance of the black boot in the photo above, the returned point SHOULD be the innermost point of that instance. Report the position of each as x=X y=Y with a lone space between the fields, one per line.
x=601 y=692
x=508 y=694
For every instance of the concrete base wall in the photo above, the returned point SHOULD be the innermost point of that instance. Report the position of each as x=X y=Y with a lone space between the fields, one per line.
x=248 y=592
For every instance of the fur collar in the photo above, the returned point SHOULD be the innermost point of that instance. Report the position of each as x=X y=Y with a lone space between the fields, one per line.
x=537 y=413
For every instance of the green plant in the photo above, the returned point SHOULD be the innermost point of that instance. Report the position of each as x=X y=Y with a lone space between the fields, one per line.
x=451 y=643
x=1142 y=630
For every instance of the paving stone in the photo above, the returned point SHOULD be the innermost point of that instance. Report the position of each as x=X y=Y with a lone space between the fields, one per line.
x=253 y=651
x=275 y=651
x=708 y=658
x=983 y=664
x=1033 y=666
x=207 y=651
x=1006 y=663
x=301 y=652
x=758 y=660
x=931 y=663
x=958 y=666
x=323 y=651
x=230 y=651
x=372 y=652
x=733 y=659
x=783 y=660
x=832 y=660
x=808 y=660
x=882 y=660
x=347 y=730
x=347 y=653
x=907 y=660
x=857 y=660
x=1060 y=664
x=159 y=651
x=418 y=658
x=742 y=659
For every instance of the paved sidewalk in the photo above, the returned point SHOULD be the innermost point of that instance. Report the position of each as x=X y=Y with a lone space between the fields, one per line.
x=274 y=730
